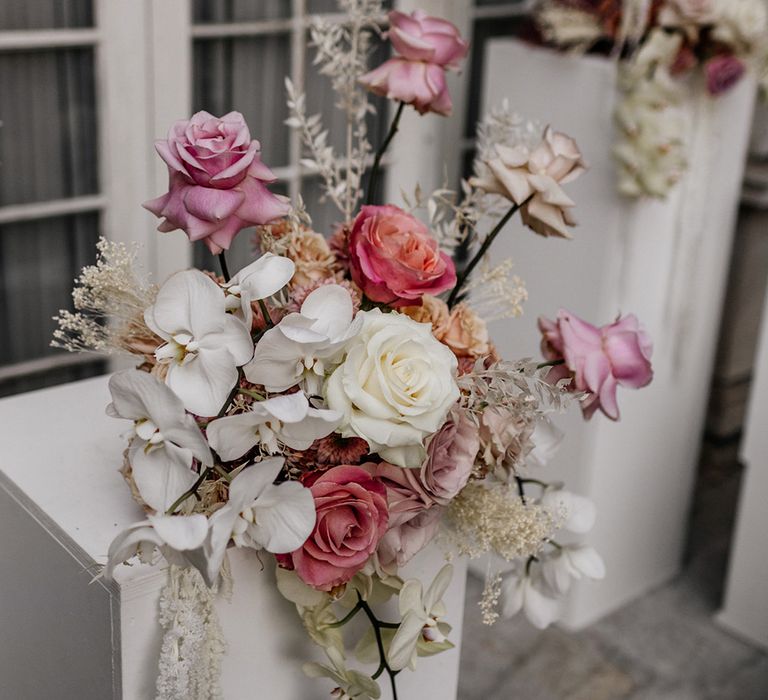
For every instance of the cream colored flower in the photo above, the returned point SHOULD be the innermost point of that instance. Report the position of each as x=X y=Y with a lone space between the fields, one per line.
x=312 y=256
x=433 y=311
x=395 y=386
x=533 y=179
x=466 y=333
x=741 y=24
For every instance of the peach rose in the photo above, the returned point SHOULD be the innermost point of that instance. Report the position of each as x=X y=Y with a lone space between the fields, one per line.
x=394 y=259
x=433 y=311
x=313 y=258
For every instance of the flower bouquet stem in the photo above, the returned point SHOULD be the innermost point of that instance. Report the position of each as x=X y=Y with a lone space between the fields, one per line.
x=393 y=127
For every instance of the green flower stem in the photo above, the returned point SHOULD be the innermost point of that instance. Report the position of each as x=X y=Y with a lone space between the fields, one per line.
x=224 y=268
x=250 y=392
x=220 y=471
x=377 y=627
x=192 y=491
x=344 y=620
x=265 y=313
x=467 y=271
x=551 y=363
x=373 y=180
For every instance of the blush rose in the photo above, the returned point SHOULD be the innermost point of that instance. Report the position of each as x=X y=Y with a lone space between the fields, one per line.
x=352 y=517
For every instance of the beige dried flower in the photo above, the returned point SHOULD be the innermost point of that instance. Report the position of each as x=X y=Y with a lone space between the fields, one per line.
x=493 y=518
x=312 y=256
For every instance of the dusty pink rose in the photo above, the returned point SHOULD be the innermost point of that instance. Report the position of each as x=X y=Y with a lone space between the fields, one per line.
x=598 y=359
x=406 y=495
x=450 y=458
x=504 y=437
x=427 y=47
x=394 y=259
x=723 y=72
x=352 y=517
x=217 y=182
x=404 y=541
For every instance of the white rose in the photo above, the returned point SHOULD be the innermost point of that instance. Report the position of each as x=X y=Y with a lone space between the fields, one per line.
x=395 y=386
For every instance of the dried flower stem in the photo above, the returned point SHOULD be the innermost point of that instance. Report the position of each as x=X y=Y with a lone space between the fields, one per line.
x=380 y=153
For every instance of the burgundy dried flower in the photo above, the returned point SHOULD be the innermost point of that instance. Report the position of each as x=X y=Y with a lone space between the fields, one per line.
x=334 y=449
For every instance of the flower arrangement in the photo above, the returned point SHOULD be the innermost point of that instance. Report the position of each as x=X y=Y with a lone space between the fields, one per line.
x=667 y=47
x=338 y=403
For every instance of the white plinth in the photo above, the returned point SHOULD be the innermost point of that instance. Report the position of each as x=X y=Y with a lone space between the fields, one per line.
x=745 y=610
x=61 y=636
x=667 y=262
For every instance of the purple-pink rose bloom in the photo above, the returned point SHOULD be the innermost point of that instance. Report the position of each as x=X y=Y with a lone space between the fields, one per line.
x=450 y=458
x=723 y=72
x=426 y=47
x=598 y=359
x=404 y=541
x=217 y=182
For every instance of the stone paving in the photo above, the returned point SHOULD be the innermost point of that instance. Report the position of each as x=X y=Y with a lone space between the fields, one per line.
x=663 y=646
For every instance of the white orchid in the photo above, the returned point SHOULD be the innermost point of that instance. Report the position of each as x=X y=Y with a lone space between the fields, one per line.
x=528 y=592
x=303 y=347
x=569 y=562
x=578 y=513
x=350 y=684
x=261 y=279
x=421 y=614
x=180 y=538
x=260 y=515
x=288 y=419
x=204 y=344
x=546 y=439
x=165 y=438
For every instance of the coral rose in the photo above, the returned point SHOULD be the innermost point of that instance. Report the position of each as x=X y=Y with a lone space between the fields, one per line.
x=217 y=182
x=352 y=517
x=598 y=359
x=394 y=259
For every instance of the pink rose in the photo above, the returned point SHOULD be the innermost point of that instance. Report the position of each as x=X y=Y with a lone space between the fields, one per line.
x=403 y=542
x=216 y=181
x=352 y=517
x=394 y=259
x=598 y=359
x=450 y=458
x=406 y=496
x=427 y=47
x=723 y=72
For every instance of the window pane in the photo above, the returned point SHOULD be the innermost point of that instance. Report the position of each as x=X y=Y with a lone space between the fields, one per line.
x=49 y=137
x=38 y=262
x=217 y=11
x=318 y=6
x=247 y=75
x=325 y=215
x=45 y=14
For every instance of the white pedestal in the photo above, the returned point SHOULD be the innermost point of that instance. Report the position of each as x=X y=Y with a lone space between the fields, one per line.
x=61 y=636
x=745 y=610
x=666 y=261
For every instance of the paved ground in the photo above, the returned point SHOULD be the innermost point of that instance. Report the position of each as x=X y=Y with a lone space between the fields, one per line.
x=664 y=646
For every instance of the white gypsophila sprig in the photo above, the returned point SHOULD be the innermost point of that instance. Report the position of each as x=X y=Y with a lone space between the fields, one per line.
x=342 y=53
x=109 y=298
